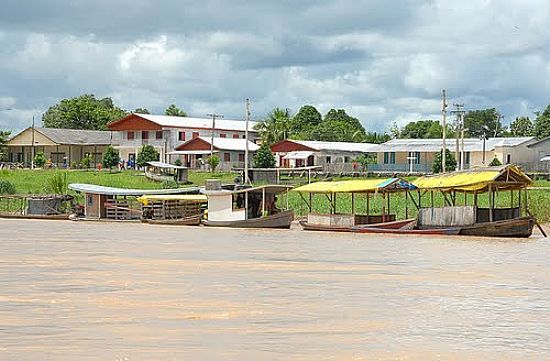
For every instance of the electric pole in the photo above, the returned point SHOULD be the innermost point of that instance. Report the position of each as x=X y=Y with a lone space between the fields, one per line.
x=444 y=129
x=246 y=179
x=214 y=116
x=459 y=131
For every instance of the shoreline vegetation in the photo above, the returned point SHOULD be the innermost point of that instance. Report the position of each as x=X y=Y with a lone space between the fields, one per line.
x=36 y=182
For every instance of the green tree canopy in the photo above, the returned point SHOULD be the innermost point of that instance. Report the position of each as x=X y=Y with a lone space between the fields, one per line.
x=39 y=159
x=142 y=111
x=303 y=122
x=542 y=124
x=376 y=138
x=450 y=162
x=424 y=129
x=485 y=121
x=264 y=158
x=338 y=126
x=4 y=136
x=175 y=111
x=521 y=127
x=82 y=112
x=275 y=127
x=147 y=153
x=213 y=162
x=111 y=157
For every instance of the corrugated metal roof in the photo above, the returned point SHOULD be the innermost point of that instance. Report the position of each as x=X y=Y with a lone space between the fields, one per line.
x=339 y=146
x=357 y=186
x=435 y=145
x=165 y=165
x=111 y=191
x=222 y=124
x=232 y=144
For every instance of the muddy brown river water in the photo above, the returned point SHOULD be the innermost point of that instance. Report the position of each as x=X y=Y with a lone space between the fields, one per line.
x=107 y=291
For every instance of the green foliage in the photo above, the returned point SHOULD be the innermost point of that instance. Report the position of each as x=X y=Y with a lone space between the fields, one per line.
x=450 y=162
x=111 y=157
x=521 y=127
x=376 y=138
x=169 y=184
x=338 y=126
x=39 y=159
x=178 y=162
x=275 y=127
x=6 y=187
x=57 y=184
x=495 y=162
x=264 y=158
x=147 y=153
x=424 y=129
x=142 y=111
x=364 y=160
x=82 y=112
x=485 y=121
x=86 y=161
x=4 y=136
x=542 y=124
x=175 y=111
x=304 y=122
x=213 y=162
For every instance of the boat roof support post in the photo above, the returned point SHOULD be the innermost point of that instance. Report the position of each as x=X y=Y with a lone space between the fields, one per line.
x=383 y=207
x=406 y=204
x=368 y=206
x=491 y=205
x=263 y=202
x=352 y=203
x=389 y=212
x=303 y=198
x=412 y=199
x=245 y=205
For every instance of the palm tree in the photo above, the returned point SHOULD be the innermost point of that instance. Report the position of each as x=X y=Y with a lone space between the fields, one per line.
x=275 y=127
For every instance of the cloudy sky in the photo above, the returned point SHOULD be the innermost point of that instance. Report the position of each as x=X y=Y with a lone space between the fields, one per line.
x=382 y=61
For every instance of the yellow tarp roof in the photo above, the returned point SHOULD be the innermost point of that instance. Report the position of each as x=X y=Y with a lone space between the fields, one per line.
x=355 y=186
x=503 y=177
x=198 y=198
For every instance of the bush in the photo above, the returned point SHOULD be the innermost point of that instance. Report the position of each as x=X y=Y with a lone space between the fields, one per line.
x=111 y=158
x=6 y=187
x=147 y=153
x=40 y=160
x=450 y=162
x=264 y=158
x=58 y=183
x=86 y=162
x=178 y=162
x=213 y=162
x=169 y=184
x=495 y=162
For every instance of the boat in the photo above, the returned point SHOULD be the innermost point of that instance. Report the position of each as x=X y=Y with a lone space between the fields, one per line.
x=45 y=207
x=407 y=226
x=247 y=207
x=185 y=221
x=172 y=209
x=345 y=221
x=521 y=227
x=165 y=172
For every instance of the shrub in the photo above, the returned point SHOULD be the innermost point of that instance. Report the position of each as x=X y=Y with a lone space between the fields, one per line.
x=264 y=158
x=178 y=162
x=40 y=160
x=110 y=158
x=213 y=162
x=495 y=162
x=86 y=161
x=169 y=184
x=147 y=153
x=450 y=162
x=6 y=187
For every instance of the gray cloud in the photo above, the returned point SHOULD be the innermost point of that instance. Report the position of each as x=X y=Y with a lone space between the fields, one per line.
x=383 y=61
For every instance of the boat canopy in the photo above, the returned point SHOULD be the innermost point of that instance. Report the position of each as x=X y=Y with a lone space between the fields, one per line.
x=191 y=198
x=268 y=189
x=357 y=186
x=110 y=191
x=506 y=177
x=165 y=165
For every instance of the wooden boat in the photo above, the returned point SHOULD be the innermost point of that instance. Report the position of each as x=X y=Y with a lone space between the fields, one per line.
x=165 y=172
x=247 y=207
x=516 y=227
x=278 y=220
x=404 y=227
x=36 y=216
x=345 y=222
x=187 y=221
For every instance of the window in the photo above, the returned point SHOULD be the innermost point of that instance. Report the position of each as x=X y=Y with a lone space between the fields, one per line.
x=227 y=157
x=144 y=135
x=223 y=135
x=130 y=135
x=508 y=158
x=195 y=135
x=389 y=157
x=415 y=155
x=236 y=136
x=467 y=158
x=158 y=134
x=328 y=159
x=181 y=136
x=241 y=157
x=244 y=136
x=346 y=159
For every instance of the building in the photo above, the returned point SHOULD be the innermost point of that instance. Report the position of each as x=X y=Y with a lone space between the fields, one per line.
x=61 y=146
x=332 y=156
x=165 y=132
x=541 y=151
x=231 y=151
x=417 y=155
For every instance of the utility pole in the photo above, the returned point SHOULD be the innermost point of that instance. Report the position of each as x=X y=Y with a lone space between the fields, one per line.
x=444 y=128
x=459 y=130
x=246 y=178
x=32 y=146
x=214 y=116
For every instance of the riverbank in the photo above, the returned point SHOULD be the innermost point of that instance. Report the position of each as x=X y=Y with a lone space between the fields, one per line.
x=140 y=292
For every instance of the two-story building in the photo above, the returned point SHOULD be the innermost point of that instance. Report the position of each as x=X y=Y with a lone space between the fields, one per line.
x=165 y=132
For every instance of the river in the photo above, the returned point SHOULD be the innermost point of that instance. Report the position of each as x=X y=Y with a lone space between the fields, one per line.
x=130 y=291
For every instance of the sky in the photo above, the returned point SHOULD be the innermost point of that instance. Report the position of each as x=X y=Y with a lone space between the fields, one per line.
x=382 y=61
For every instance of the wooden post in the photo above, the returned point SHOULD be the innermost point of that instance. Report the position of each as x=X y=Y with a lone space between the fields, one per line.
x=407 y=204
x=383 y=207
x=432 y=198
x=352 y=203
x=519 y=202
x=389 y=211
x=491 y=200
x=368 y=207
x=245 y=205
x=263 y=202
x=465 y=198
x=310 y=199
x=334 y=202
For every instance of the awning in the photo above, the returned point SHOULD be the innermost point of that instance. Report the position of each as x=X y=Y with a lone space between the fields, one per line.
x=357 y=186
x=191 y=152
x=111 y=191
x=191 y=198
x=298 y=155
x=545 y=159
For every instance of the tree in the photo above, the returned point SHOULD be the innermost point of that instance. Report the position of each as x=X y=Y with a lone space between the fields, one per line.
x=495 y=162
x=450 y=162
x=213 y=162
x=142 y=111
x=338 y=126
x=111 y=158
x=275 y=127
x=147 y=153
x=521 y=127
x=39 y=159
x=484 y=122
x=264 y=158
x=542 y=124
x=82 y=112
x=4 y=136
x=303 y=122
x=376 y=138
x=173 y=110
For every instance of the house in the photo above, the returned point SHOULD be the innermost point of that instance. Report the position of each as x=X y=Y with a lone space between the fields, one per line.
x=61 y=146
x=165 y=132
x=417 y=155
x=541 y=151
x=332 y=156
x=231 y=151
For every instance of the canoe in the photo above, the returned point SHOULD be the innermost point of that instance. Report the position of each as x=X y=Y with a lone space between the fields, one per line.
x=277 y=220
x=187 y=221
x=36 y=216
x=406 y=226
x=521 y=227
x=386 y=225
